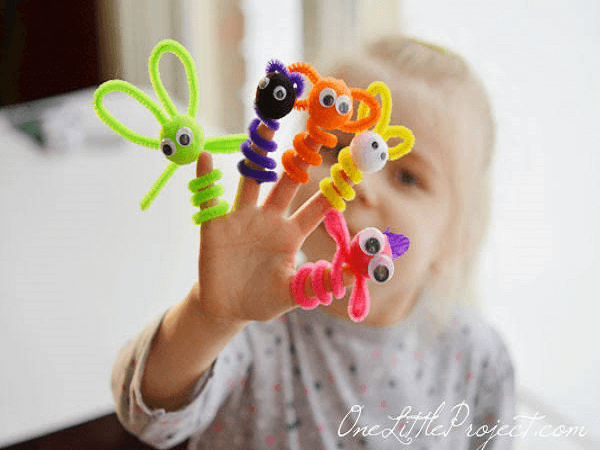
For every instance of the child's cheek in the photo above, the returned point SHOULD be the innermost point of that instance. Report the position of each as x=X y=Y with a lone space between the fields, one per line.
x=419 y=257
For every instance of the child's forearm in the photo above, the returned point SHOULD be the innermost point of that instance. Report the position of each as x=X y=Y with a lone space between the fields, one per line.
x=186 y=344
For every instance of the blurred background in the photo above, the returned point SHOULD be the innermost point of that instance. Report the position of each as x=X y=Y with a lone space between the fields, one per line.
x=82 y=269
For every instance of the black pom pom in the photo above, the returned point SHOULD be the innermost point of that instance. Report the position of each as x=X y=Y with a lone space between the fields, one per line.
x=277 y=98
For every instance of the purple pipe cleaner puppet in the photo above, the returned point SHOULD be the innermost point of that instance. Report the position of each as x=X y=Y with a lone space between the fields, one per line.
x=275 y=97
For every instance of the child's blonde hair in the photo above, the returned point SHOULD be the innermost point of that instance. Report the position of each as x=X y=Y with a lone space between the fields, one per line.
x=395 y=59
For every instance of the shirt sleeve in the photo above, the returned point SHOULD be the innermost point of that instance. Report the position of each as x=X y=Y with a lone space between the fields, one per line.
x=164 y=429
x=495 y=402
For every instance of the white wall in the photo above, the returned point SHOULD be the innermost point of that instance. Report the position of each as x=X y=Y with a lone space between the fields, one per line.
x=540 y=62
x=82 y=269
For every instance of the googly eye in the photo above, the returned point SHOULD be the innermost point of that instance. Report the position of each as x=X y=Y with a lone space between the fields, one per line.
x=168 y=147
x=327 y=97
x=381 y=269
x=371 y=241
x=263 y=82
x=279 y=93
x=343 y=105
x=369 y=151
x=184 y=136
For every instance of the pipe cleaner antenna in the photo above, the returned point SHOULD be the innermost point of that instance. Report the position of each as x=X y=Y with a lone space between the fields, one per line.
x=181 y=137
x=368 y=152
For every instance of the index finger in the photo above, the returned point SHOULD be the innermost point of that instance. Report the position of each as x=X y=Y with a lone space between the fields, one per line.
x=249 y=188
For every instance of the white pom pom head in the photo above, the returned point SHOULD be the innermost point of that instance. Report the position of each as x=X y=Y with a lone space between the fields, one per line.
x=369 y=151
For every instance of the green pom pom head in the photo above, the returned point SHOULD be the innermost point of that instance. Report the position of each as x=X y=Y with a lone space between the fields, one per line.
x=182 y=140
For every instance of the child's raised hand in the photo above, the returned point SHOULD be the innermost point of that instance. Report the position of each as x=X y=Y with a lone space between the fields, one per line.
x=245 y=271
x=247 y=261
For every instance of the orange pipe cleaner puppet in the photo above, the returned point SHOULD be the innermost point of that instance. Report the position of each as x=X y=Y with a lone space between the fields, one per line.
x=329 y=106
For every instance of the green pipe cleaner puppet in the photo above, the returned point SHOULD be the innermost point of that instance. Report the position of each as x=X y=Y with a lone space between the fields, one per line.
x=181 y=137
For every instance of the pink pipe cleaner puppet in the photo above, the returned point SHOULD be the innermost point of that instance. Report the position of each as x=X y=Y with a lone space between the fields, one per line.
x=369 y=256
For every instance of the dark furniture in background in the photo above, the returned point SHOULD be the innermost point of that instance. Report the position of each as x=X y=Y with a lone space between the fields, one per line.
x=104 y=433
x=47 y=48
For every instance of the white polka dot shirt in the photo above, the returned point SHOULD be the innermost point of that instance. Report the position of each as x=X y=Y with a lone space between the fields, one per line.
x=309 y=380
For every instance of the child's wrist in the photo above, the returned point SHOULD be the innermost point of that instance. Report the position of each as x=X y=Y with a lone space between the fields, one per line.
x=204 y=316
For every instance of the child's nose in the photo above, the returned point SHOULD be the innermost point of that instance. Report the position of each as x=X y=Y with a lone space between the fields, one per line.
x=366 y=193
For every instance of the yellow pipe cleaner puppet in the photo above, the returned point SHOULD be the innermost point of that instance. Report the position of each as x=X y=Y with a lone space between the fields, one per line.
x=181 y=138
x=368 y=152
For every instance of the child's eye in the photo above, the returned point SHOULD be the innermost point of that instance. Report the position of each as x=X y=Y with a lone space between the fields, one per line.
x=406 y=178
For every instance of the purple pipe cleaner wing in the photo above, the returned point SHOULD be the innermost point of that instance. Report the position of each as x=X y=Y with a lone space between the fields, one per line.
x=398 y=242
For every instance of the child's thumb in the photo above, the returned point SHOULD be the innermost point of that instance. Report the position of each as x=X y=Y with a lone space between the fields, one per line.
x=204 y=166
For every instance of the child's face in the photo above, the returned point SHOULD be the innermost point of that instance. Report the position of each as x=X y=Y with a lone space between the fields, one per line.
x=413 y=195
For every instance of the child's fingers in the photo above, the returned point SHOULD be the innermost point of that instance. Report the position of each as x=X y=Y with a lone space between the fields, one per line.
x=247 y=193
x=281 y=195
x=347 y=278
x=248 y=188
x=283 y=192
x=310 y=214
x=204 y=166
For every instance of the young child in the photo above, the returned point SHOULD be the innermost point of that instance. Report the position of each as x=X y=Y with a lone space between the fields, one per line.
x=238 y=365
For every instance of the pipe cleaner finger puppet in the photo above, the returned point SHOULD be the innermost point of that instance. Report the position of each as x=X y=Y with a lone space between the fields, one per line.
x=368 y=152
x=275 y=97
x=369 y=256
x=329 y=106
x=181 y=137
